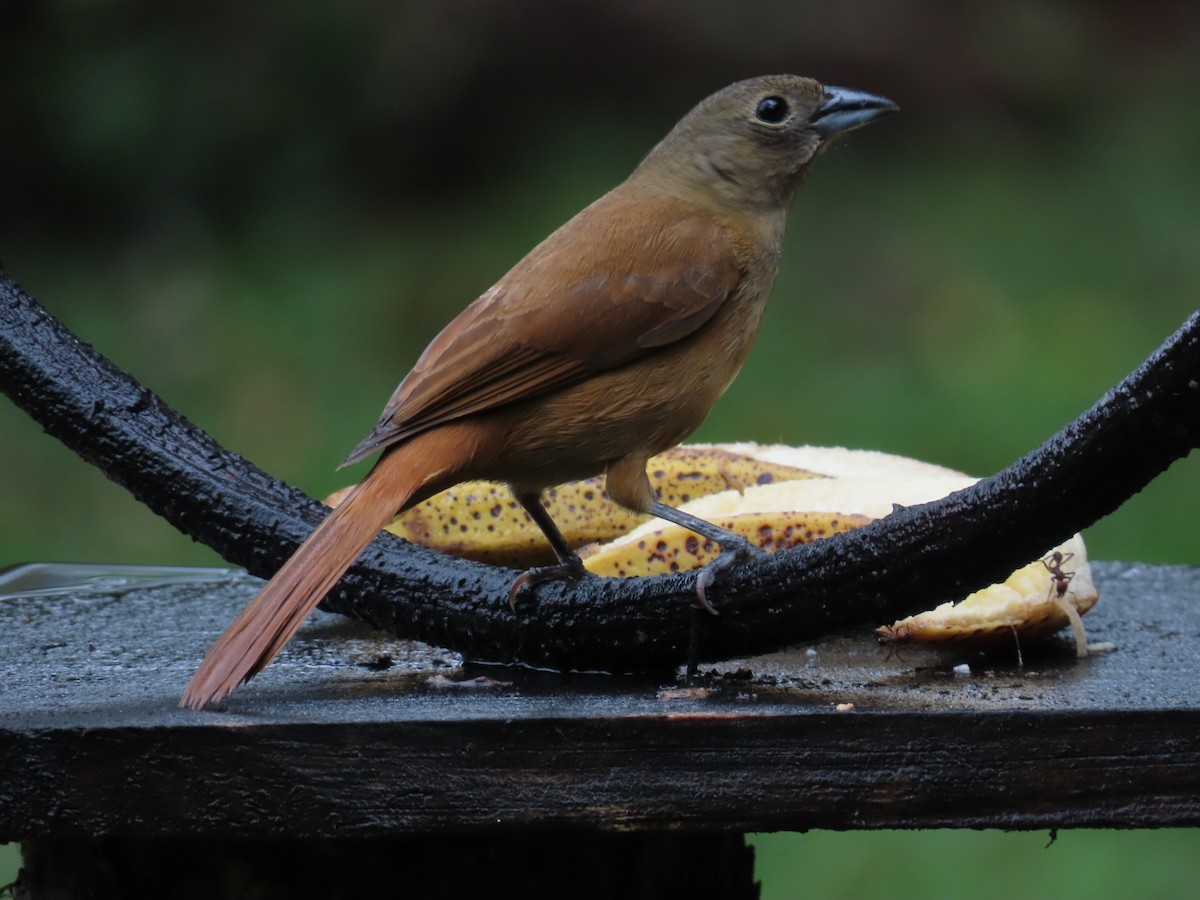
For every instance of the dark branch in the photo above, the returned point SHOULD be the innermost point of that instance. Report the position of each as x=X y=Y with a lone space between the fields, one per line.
x=893 y=567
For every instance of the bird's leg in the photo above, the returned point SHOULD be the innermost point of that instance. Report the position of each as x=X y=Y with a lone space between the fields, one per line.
x=569 y=564
x=734 y=547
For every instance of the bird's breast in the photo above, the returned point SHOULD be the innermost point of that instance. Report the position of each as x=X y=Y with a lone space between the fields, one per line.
x=637 y=410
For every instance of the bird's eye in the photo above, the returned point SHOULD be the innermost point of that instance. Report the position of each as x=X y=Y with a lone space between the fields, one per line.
x=772 y=110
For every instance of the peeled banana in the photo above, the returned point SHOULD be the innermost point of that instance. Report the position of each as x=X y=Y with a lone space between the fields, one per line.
x=776 y=497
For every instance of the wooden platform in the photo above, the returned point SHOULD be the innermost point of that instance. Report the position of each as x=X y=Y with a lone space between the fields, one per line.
x=353 y=733
x=355 y=736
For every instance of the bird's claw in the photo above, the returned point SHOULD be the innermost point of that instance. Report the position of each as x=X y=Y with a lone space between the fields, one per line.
x=728 y=558
x=572 y=568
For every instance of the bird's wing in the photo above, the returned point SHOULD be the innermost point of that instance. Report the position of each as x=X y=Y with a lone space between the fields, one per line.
x=586 y=300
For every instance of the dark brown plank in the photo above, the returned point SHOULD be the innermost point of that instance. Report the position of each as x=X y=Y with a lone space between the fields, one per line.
x=352 y=734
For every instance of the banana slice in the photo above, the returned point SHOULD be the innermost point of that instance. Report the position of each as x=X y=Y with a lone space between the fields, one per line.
x=1036 y=600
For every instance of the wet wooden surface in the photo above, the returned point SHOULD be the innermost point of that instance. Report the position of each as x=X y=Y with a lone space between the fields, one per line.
x=351 y=734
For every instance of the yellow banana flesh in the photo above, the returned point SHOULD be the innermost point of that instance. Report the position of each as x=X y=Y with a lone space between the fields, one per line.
x=1033 y=602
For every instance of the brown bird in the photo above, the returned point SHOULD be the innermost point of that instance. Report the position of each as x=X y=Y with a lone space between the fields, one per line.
x=605 y=345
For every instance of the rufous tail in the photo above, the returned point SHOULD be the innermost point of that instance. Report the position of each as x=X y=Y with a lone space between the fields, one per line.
x=259 y=632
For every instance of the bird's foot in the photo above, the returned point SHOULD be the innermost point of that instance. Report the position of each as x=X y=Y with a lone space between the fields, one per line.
x=572 y=567
x=732 y=554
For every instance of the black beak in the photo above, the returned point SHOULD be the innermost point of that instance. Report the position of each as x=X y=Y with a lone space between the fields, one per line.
x=845 y=109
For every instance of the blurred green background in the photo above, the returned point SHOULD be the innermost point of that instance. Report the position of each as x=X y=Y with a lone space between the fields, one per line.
x=265 y=211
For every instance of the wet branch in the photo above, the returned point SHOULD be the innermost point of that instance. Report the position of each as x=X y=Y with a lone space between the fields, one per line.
x=893 y=567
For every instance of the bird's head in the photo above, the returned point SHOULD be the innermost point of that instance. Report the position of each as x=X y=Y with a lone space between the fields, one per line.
x=748 y=146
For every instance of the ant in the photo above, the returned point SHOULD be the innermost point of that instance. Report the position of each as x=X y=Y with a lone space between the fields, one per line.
x=1060 y=582
x=1054 y=565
